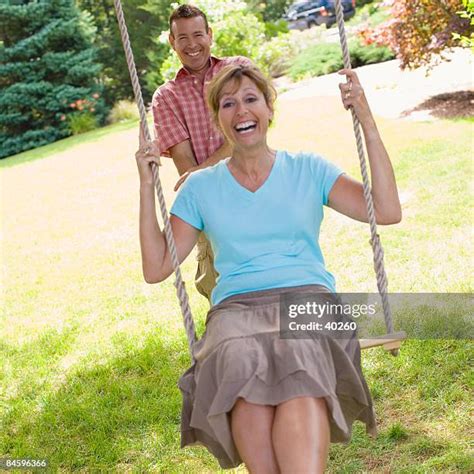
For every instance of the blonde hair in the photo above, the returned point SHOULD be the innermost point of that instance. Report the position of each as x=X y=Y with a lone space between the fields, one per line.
x=236 y=73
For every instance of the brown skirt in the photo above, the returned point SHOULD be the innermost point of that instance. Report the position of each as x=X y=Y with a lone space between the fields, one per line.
x=242 y=355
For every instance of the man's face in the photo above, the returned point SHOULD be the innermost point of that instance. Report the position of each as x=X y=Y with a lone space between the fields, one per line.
x=192 y=43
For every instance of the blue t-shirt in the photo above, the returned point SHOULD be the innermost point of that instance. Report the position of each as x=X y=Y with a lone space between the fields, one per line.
x=264 y=239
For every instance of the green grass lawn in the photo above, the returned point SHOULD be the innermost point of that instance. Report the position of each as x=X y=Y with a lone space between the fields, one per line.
x=90 y=354
x=66 y=144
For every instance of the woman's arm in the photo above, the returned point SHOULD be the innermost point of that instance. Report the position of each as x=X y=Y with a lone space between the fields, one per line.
x=347 y=195
x=156 y=260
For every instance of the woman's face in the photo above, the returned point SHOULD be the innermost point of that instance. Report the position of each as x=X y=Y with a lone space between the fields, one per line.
x=244 y=115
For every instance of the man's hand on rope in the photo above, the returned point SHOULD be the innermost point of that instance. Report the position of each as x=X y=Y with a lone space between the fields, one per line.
x=353 y=95
x=148 y=153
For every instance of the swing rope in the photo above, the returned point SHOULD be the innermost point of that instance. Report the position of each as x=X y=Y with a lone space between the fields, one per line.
x=375 y=239
x=179 y=284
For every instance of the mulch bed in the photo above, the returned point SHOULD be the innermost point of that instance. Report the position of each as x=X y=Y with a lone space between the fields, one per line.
x=449 y=105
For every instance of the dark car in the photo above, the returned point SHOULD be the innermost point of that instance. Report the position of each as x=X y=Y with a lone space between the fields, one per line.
x=307 y=13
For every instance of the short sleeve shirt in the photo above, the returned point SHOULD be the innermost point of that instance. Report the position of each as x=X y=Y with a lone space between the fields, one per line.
x=180 y=111
x=264 y=239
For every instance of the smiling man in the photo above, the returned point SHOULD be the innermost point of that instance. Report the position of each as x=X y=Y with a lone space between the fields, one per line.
x=183 y=126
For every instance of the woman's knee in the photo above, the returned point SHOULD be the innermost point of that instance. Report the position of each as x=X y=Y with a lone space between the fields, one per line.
x=251 y=426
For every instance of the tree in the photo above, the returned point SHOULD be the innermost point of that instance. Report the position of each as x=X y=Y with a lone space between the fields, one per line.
x=145 y=19
x=418 y=30
x=48 y=73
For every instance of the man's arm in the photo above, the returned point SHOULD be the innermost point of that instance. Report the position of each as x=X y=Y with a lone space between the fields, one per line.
x=223 y=152
x=185 y=162
x=183 y=156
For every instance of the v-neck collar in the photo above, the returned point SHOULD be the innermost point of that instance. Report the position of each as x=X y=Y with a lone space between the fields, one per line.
x=242 y=189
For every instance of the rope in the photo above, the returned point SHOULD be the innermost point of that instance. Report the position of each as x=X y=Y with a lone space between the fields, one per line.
x=179 y=284
x=375 y=239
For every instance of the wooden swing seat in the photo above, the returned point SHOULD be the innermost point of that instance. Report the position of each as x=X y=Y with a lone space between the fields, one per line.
x=390 y=342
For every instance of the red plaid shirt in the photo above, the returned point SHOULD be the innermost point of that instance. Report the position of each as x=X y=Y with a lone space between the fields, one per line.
x=180 y=111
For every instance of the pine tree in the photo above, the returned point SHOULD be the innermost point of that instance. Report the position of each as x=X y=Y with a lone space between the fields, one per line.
x=48 y=73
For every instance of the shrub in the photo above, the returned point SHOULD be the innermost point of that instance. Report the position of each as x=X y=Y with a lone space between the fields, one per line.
x=367 y=28
x=326 y=58
x=419 y=31
x=370 y=54
x=272 y=10
x=466 y=39
x=123 y=110
x=238 y=33
x=275 y=56
x=275 y=28
x=81 y=122
x=370 y=14
x=170 y=66
x=316 y=60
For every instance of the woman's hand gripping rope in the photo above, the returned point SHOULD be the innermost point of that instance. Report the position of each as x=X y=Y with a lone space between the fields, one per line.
x=353 y=95
x=148 y=153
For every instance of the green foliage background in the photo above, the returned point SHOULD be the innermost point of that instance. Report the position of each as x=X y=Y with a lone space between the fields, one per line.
x=58 y=52
x=145 y=19
x=320 y=59
x=466 y=39
x=240 y=28
x=237 y=32
x=47 y=63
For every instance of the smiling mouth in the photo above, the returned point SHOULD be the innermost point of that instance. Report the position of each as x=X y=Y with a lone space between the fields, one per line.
x=193 y=55
x=245 y=127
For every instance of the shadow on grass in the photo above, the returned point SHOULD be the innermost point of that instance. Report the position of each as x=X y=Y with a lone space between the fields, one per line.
x=122 y=413
x=115 y=413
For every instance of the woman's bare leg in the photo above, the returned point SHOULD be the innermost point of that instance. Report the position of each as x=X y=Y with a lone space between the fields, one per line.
x=301 y=435
x=252 y=433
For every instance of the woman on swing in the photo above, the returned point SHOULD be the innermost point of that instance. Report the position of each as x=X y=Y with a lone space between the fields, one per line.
x=273 y=403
